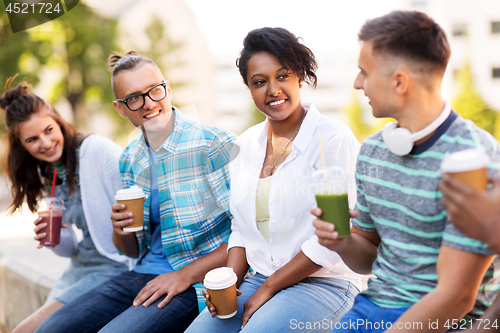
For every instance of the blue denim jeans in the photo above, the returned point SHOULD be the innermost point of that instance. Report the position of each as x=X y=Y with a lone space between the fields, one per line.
x=366 y=317
x=312 y=305
x=108 y=308
x=88 y=268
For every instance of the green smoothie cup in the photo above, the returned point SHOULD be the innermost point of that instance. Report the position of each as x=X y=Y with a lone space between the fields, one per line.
x=330 y=189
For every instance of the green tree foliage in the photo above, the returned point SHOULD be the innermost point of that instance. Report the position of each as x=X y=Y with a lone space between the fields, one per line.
x=14 y=52
x=88 y=40
x=357 y=120
x=163 y=50
x=19 y=51
x=469 y=103
x=75 y=48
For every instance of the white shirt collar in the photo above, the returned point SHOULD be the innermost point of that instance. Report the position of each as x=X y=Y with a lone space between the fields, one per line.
x=305 y=133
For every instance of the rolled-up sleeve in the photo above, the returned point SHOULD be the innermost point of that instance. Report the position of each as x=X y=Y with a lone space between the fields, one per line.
x=319 y=254
x=236 y=238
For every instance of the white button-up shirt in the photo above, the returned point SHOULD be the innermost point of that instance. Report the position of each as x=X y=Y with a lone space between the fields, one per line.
x=290 y=197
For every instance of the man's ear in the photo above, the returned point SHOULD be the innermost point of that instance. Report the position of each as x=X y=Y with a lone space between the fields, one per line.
x=300 y=84
x=169 y=90
x=401 y=80
x=118 y=107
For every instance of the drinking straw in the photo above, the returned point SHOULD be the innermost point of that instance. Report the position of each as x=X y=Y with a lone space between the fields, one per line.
x=322 y=154
x=53 y=186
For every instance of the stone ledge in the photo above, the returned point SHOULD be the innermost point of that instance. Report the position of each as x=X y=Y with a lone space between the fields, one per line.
x=26 y=278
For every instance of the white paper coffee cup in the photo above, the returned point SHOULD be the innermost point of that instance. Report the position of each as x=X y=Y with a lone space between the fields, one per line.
x=469 y=166
x=221 y=286
x=133 y=198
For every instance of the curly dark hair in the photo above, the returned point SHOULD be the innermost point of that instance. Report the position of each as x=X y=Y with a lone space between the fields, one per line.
x=281 y=43
x=27 y=174
x=410 y=35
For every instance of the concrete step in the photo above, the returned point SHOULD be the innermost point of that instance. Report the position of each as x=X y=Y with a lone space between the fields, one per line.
x=27 y=274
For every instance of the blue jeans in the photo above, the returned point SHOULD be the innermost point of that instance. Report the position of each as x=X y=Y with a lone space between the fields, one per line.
x=312 y=305
x=88 y=268
x=108 y=308
x=366 y=317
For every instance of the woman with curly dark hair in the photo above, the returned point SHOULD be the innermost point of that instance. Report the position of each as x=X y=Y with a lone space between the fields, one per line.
x=39 y=142
x=299 y=285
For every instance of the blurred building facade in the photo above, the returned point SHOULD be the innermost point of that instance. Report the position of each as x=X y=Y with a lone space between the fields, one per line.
x=214 y=86
x=473 y=30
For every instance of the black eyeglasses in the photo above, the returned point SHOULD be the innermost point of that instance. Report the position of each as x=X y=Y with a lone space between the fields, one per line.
x=156 y=94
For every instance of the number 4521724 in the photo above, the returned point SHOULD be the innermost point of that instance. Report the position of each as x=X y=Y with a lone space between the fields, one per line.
x=463 y=324
x=34 y=8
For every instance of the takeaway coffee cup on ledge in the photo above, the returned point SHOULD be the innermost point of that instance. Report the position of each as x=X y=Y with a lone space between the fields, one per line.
x=469 y=166
x=133 y=198
x=221 y=286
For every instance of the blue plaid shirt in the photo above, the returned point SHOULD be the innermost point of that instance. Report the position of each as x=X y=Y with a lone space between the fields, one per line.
x=193 y=186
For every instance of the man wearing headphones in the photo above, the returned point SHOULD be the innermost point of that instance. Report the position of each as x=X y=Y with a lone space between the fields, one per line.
x=427 y=272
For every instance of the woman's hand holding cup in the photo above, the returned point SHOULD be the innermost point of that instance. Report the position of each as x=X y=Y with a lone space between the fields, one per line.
x=38 y=228
x=221 y=285
x=210 y=305
x=41 y=235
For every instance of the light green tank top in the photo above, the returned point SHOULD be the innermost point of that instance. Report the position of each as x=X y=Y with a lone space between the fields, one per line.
x=262 y=207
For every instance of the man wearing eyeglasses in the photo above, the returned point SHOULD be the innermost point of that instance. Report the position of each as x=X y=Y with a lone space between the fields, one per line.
x=186 y=213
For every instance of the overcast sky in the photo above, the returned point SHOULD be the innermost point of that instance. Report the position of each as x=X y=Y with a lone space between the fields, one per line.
x=323 y=24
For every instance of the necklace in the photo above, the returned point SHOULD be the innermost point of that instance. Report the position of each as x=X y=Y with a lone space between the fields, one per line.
x=283 y=150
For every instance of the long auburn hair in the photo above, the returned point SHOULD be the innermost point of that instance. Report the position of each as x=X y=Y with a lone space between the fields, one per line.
x=28 y=175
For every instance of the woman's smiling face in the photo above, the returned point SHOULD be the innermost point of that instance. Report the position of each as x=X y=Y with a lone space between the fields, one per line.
x=41 y=136
x=274 y=89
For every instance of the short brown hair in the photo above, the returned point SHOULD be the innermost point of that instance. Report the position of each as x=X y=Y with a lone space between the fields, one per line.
x=411 y=35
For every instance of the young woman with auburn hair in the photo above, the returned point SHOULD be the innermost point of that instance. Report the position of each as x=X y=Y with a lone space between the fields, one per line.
x=39 y=142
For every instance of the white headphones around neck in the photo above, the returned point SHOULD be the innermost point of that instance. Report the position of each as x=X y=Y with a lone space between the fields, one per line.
x=400 y=140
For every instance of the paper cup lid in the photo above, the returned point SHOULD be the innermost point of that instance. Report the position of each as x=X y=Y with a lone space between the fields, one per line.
x=220 y=278
x=132 y=192
x=465 y=160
